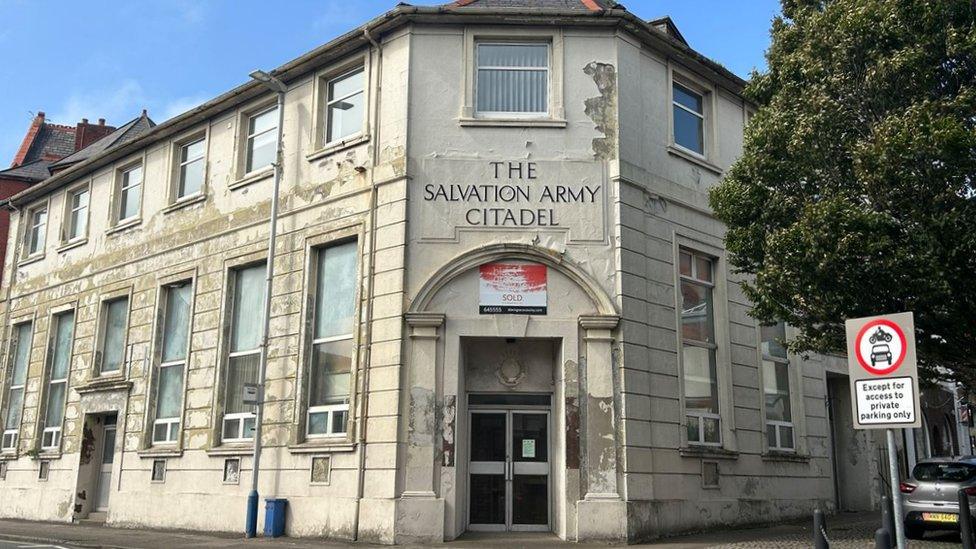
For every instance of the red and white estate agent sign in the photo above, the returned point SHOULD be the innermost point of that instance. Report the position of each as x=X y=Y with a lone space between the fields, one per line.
x=513 y=288
x=883 y=371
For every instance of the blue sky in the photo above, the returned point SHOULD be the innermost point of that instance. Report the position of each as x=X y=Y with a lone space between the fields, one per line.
x=111 y=58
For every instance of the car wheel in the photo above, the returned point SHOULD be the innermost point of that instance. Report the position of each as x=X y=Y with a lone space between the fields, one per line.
x=914 y=532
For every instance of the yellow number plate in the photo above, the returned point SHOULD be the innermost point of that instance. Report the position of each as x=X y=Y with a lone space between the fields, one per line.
x=940 y=517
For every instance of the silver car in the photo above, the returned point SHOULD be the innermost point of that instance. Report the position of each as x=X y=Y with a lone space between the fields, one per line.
x=931 y=496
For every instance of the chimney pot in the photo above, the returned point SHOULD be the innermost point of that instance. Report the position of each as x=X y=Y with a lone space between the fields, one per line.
x=101 y=121
x=144 y=113
x=84 y=120
x=40 y=114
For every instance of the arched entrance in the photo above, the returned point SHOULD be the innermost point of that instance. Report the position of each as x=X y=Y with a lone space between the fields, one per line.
x=506 y=409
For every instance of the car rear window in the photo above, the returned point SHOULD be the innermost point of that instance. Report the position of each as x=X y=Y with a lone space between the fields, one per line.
x=948 y=472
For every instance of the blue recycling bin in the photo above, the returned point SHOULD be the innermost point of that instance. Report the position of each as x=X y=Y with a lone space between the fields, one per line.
x=274 y=517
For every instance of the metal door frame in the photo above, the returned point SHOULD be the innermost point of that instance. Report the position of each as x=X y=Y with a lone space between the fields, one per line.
x=509 y=467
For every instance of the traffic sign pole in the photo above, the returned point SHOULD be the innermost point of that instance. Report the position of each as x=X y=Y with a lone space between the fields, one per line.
x=883 y=373
x=895 y=491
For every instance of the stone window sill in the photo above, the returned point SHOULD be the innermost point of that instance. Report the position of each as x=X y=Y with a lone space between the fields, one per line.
x=252 y=178
x=160 y=452
x=694 y=159
x=332 y=148
x=708 y=452
x=785 y=456
x=513 y=122
x=47 y=455
x=9 y=455
x=73 y=244
x=124 y=225
x=231 y=450
x=184 y=202
x=319 y=447
x=30 y=259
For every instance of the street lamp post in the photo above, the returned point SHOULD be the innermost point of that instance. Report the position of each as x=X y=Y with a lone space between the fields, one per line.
x=277 y=86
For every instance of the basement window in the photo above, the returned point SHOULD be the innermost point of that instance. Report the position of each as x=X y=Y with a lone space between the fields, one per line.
x=43 y=470
x=321 y=468
x=158 y=471
x=232 y=471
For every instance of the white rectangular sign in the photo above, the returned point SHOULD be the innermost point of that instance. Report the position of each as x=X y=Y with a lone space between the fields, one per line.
x=513 y=288
x=885 y=401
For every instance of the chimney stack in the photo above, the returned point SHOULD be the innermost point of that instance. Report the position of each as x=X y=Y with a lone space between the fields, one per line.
x=86 y=134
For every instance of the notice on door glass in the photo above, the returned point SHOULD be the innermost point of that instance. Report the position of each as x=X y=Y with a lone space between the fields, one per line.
x=528 y=447
x=885 y=401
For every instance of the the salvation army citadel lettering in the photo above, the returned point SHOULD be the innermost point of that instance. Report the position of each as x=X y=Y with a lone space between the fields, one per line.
x=513 y=194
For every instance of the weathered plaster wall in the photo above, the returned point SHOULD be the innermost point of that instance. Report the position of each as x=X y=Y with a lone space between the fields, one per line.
x=325 y=195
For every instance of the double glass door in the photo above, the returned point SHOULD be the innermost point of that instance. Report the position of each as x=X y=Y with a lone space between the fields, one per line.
x=508 y=472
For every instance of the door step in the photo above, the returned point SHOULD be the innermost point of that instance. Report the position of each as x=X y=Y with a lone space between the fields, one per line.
x=94 y=519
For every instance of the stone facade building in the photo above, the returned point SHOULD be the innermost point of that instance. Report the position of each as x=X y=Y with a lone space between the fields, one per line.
x=500 y=301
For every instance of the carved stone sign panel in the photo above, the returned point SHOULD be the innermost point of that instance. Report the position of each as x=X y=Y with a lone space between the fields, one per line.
x=511 y=195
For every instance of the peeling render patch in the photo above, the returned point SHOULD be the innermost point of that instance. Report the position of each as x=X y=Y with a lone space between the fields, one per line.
x=572 y=433
x=447 y=436
x=421 y=425
x=602 y=110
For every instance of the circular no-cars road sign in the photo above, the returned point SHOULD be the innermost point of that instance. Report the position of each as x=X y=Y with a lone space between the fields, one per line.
x=880 y=347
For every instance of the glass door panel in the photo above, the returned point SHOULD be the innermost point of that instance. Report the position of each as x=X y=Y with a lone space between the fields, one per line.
x=530 y=470
x=488 y=471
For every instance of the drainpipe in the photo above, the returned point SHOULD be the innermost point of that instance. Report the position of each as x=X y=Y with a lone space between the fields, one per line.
x=277 y=86
x=368 y=336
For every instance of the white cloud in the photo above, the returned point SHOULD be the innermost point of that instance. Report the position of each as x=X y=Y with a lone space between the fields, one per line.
x=117 y=104
x=180 y=105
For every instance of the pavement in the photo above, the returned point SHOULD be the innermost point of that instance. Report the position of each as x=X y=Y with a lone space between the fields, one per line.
x=852 y=530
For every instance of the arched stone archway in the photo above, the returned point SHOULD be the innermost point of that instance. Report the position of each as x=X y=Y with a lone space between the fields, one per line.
x=581 y=320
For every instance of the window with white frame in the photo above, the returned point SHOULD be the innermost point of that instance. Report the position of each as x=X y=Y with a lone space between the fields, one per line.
x=173 y=342
x=14 y=403
x=76 y=214
x=330 y=370
x=688 y=107
x=702 y=415
x=512 y=79
x=776 y=387
x=114 y=321
x=191 y=167
x=130 y=193
x=261 y=139
x=36 y=231
x=59 y=362
x=345 y=105
x=244 y=351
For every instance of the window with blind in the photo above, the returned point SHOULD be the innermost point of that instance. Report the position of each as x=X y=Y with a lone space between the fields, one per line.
x=698 y=348
x=776 y=387
x=36 y=231
x=173 y=344
x=76 y=215
x=129 y=193
x=688 y=109
x=17 y=381
x=59 y=363
x=345 y=105
x=261 y=140
x=330 y=369
x=512 y=79
x=244 y=353
x=111 y=352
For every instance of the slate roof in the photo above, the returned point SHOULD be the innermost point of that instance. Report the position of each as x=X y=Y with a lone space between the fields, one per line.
x=38 y=170
x=561 y=5
x=129 y=131
x=52 y=141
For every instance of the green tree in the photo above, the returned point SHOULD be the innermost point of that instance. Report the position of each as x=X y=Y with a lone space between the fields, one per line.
x=856 y=191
